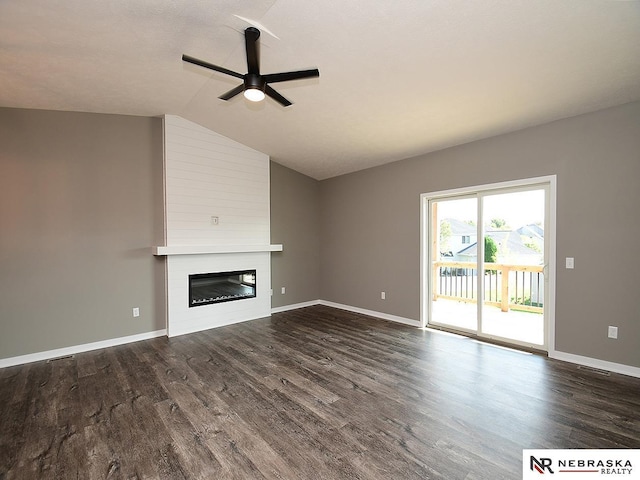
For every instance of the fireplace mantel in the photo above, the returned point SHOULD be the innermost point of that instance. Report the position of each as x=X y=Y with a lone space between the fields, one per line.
x=210 y=249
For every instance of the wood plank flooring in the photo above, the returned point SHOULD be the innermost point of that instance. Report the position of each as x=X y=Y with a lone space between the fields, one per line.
x=315 y=393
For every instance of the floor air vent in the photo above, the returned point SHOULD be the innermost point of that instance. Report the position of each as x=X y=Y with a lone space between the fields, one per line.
x=59 y=358
x=594 y=370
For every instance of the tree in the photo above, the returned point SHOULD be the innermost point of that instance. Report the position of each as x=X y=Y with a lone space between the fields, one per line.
x=490 y=250
x=499 y=223
x=533 y=246
x=445 y=234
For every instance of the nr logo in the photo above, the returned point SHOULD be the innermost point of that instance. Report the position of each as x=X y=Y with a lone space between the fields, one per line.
x=540 y=465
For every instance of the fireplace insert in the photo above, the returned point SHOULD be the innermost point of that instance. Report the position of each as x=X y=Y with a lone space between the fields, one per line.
x=208 y=288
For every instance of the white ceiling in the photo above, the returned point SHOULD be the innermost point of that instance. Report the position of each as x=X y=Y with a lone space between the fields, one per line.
x=397 y=78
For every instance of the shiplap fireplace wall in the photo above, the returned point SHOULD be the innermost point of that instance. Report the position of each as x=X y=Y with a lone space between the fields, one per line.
x=217 y=219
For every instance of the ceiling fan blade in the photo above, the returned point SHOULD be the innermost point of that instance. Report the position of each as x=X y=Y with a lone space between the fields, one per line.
x=286 y=76
x=251 y=36
x=276 y=96
x=211 y=66
x=232 y=93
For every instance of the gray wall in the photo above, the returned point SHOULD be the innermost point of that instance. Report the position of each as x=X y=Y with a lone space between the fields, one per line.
x=78 y=198
x=295 y=202
x=80 y=207
x=370 y=224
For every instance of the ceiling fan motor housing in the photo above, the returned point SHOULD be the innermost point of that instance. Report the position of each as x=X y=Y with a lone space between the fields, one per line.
x=251 y=80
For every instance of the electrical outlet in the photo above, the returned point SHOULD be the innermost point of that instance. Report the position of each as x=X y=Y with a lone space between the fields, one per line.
x=570 y=263
x=136 y=312
x=613 y=332
x=283 y=291
x=383 y=295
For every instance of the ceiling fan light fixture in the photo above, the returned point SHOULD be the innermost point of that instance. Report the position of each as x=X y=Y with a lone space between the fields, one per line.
x=254 y=85
x=254 y=94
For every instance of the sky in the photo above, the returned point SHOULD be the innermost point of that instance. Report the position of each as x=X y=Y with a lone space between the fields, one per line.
x=517 y=208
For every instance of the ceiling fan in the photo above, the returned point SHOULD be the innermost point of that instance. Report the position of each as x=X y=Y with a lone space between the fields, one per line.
x=255 y=85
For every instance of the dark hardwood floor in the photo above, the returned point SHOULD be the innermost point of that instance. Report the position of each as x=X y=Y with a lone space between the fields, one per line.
x=311 y=393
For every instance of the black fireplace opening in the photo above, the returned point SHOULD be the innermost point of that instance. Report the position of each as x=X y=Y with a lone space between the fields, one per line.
x=208 y=288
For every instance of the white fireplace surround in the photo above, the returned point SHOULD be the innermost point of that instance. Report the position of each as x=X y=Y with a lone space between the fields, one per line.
x=183 y=319
x=206 y=177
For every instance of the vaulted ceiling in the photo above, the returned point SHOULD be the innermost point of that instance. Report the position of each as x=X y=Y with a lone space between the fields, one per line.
x=397 y=78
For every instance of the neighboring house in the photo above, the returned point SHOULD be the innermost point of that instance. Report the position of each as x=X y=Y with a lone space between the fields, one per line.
x=532 y=234
x=513 y=245
x=460 y=236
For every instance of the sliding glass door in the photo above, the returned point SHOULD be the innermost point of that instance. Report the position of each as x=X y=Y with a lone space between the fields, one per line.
x=487 y=258
x=454 y=272
x=514 y=260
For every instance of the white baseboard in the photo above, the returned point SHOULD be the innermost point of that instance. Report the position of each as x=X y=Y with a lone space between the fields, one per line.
x=63 y=352
x=566 y=357
x=349 y=308
x=66 y=351
x=295 y=306
x=595 y=363
x=372 y=313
